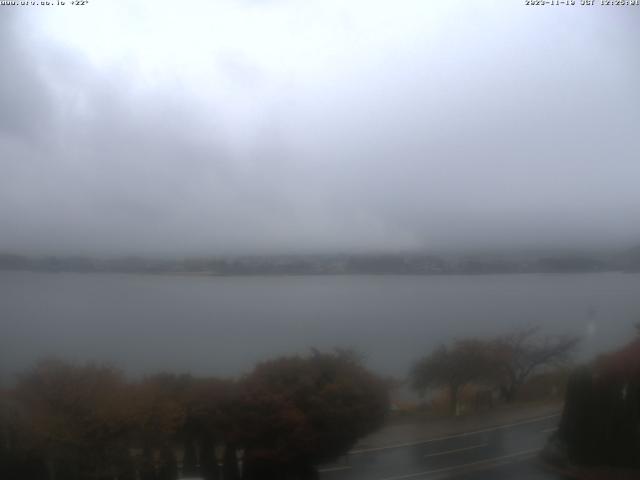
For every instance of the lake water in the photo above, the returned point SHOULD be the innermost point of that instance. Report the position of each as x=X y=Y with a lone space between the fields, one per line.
x=223 y=325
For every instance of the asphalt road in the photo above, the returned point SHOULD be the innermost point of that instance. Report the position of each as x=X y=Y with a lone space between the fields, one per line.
x=505 y=452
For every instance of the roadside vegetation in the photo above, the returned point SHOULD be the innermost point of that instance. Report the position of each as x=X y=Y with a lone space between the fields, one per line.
x=600 y=427
x=73 y=422
x=66 y=421
x=491 y=369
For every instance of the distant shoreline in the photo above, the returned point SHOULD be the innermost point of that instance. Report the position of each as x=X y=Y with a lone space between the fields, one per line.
x=418 y=264
x=315 y=274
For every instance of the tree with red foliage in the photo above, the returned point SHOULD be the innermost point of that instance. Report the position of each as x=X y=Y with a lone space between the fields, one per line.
x=601 y=418
x=86 y=421
x=295 y=412
x=623 y=364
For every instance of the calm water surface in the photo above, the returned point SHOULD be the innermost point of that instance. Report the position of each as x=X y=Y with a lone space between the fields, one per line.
x=221 y=326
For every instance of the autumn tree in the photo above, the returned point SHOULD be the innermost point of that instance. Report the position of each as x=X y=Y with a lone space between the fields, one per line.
x=87 y=421
x=523 y=352
x=174 y=417
x=295 y=412
x=16 y=460
x=207 y=419
x=599 y=424
x=451 y=367
x=75 y=416
x=158 y=409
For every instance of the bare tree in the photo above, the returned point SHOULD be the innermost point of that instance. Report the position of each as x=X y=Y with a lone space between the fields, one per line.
x=521 y=353
x=451 y=367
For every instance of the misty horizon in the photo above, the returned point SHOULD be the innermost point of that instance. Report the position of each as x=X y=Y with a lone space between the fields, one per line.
x=268 y=128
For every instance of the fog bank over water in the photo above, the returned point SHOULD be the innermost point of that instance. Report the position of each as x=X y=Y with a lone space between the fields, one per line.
x=223 y=325
x=269 y=127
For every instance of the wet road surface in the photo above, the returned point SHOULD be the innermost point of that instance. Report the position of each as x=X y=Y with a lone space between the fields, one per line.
x=505 y=452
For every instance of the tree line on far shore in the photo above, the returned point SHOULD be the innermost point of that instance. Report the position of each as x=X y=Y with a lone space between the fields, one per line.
x=367 y=264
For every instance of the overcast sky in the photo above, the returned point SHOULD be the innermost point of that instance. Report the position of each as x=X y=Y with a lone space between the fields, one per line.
x=211 y=127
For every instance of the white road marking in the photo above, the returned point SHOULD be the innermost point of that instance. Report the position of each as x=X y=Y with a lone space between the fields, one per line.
x=333 y=469
x=549 y=430
x=455 y=450
x=448 y=437
x=496 y=460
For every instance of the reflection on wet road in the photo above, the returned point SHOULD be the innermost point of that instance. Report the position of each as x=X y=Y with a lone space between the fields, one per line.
x=505 y=452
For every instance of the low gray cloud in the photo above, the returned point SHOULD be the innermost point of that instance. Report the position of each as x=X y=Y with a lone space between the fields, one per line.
x=333 y=128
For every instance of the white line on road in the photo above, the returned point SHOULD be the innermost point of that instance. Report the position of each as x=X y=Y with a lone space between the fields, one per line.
x=455 y=450
x=549 y=430
x=496 y=460
x=333 y=469
x=448 y=437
